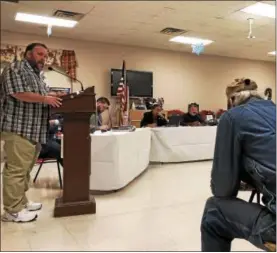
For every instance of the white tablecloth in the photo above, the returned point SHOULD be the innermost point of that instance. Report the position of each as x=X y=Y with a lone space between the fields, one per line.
x=118 y=157
x=181 y=144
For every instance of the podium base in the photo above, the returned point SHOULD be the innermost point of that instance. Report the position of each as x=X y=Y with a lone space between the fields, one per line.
x=74 y=208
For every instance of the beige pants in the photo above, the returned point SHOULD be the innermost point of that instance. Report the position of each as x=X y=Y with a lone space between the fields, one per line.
x=21 y=156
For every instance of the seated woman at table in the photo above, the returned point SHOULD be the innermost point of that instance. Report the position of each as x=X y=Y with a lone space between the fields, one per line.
x=192 y=118
x=154 y=118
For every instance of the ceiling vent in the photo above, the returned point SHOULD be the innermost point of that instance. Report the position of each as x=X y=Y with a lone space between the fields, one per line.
x=172 y=31
x=68 y=15
x=11 y=1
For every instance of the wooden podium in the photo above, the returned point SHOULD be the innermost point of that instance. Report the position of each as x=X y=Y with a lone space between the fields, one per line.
x=76 y=110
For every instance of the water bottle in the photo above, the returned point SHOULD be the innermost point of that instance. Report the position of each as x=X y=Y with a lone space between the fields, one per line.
x=125 y=120
x=93 y=122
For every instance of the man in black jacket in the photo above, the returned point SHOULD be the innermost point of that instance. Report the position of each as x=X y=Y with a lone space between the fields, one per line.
x=153 y=118
x=192 y=118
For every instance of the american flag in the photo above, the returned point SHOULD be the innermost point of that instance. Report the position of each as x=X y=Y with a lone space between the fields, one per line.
x=122 y=93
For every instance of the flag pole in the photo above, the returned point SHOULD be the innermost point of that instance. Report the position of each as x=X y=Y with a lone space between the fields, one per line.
x=123 y=93
x=128 y=106
x=127 y=99
x=125 y=113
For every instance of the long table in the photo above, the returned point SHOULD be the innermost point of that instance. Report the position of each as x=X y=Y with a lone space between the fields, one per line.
x=181 y=144
x=117 y=158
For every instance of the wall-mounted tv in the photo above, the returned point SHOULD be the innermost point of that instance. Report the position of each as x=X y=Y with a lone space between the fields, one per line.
x=140 y=82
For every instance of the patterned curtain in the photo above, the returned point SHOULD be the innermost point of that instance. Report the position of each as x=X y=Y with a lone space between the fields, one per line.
x=8 y=53
x=69 y=63
x=56 y=57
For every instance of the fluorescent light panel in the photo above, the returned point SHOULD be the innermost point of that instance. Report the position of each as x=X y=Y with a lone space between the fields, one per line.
x=272 y=53
x=45 y=20
x=190 y=40
x=261 y=9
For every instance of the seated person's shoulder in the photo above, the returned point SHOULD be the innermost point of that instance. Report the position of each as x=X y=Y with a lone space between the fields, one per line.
x=238 y=113
x=200 y=118
x=187 y=118
x=184 y=118
x=185 y=115
x=229 y=117
x=146 y=119
x=147 y=114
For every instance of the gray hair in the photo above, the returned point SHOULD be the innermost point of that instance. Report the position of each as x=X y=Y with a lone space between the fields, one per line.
x=241 y=97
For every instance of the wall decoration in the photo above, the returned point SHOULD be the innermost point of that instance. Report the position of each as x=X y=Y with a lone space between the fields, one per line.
x=8 y=53
x=198 y=48
x=65 y=59
x=69 y=62
x=268 y=93
x=150 y=101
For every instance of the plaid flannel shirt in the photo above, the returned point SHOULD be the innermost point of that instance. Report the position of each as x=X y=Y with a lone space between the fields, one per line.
x=29 y=120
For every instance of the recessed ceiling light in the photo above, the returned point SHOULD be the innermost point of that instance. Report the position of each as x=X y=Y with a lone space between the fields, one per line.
x=45 y=20
x=261 y=9
x=272 y=53
x=190 y=40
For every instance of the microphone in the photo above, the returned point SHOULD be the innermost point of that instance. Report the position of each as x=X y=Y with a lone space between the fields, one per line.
x=52 y=69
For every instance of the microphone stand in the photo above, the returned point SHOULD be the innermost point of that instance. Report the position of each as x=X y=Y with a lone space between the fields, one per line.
x=74 y=79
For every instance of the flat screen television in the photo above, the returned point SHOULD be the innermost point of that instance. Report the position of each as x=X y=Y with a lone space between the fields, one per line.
x=140 y=82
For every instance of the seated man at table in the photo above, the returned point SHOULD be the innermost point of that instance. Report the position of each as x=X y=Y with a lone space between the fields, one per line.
x=245 y=151
x=192 y=118
x=154 y=118
x=52 y=148
x=96 y=121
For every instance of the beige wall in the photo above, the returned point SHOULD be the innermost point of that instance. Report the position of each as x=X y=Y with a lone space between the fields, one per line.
x=180 y=78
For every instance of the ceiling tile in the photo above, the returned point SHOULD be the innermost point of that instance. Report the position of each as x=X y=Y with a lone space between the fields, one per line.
x=139 y=23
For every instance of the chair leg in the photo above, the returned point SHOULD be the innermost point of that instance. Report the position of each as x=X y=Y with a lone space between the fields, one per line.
x=60 y=177
x=252 y=196
x=258 y=198
x=38 y=172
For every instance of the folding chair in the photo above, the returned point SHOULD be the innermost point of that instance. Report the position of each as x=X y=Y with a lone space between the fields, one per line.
x=49 y=160
x=271 y=247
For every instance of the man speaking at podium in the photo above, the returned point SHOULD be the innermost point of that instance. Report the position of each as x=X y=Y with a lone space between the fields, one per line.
x=25 y=104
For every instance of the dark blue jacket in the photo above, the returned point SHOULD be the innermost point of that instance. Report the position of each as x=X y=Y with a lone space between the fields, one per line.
x=246 y=151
